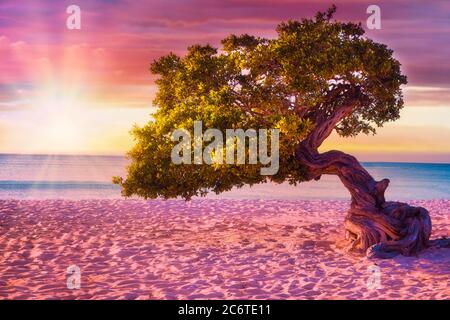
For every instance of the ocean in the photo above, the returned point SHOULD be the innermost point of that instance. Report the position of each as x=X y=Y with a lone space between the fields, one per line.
x=89 y=177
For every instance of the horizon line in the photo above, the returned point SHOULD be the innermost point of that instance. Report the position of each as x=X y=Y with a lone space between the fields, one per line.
x=117 y=155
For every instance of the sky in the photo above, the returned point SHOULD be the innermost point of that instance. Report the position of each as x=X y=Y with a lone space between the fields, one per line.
x=80 y=91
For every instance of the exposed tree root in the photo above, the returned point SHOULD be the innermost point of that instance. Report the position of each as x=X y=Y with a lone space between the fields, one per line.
x=396 y=228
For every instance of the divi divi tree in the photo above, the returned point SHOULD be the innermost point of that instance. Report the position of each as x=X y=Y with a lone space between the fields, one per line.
x=316 y=76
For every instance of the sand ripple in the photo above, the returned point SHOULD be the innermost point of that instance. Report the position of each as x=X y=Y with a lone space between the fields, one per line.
x=204 y=249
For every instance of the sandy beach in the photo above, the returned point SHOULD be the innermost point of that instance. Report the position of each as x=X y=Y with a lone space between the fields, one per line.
x=204 y=249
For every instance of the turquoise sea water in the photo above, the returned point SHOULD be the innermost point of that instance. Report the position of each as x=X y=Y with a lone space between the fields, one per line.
x=84 y=177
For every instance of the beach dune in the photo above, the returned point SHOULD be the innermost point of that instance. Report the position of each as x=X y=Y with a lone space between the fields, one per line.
x=204 y=249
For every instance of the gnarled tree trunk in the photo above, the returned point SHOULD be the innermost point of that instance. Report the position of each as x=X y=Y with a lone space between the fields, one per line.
x=377 y=227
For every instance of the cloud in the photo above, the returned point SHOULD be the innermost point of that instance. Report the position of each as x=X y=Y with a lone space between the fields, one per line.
x=107 y=61
x=119 y=39
x=427 y=96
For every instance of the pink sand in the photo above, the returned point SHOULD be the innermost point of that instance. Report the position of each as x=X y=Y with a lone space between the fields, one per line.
x=207 y=249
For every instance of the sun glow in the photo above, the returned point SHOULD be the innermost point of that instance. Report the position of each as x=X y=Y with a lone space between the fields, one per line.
x=80 y=92
x=60 y=133
x=59 y=112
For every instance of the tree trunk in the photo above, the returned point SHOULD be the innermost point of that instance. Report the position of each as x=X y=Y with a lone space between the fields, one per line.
x=377 y=227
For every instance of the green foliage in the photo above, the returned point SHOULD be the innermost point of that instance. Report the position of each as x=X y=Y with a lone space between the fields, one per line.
x=310 y=68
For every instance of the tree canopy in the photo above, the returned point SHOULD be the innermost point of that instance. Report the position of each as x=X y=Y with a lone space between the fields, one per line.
x=293 y=82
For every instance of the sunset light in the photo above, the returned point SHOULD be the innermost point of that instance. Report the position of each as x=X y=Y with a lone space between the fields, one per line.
x=77 y=89
x=235 y=158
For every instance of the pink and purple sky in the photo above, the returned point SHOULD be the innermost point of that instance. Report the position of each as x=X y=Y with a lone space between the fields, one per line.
x=80 y=91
